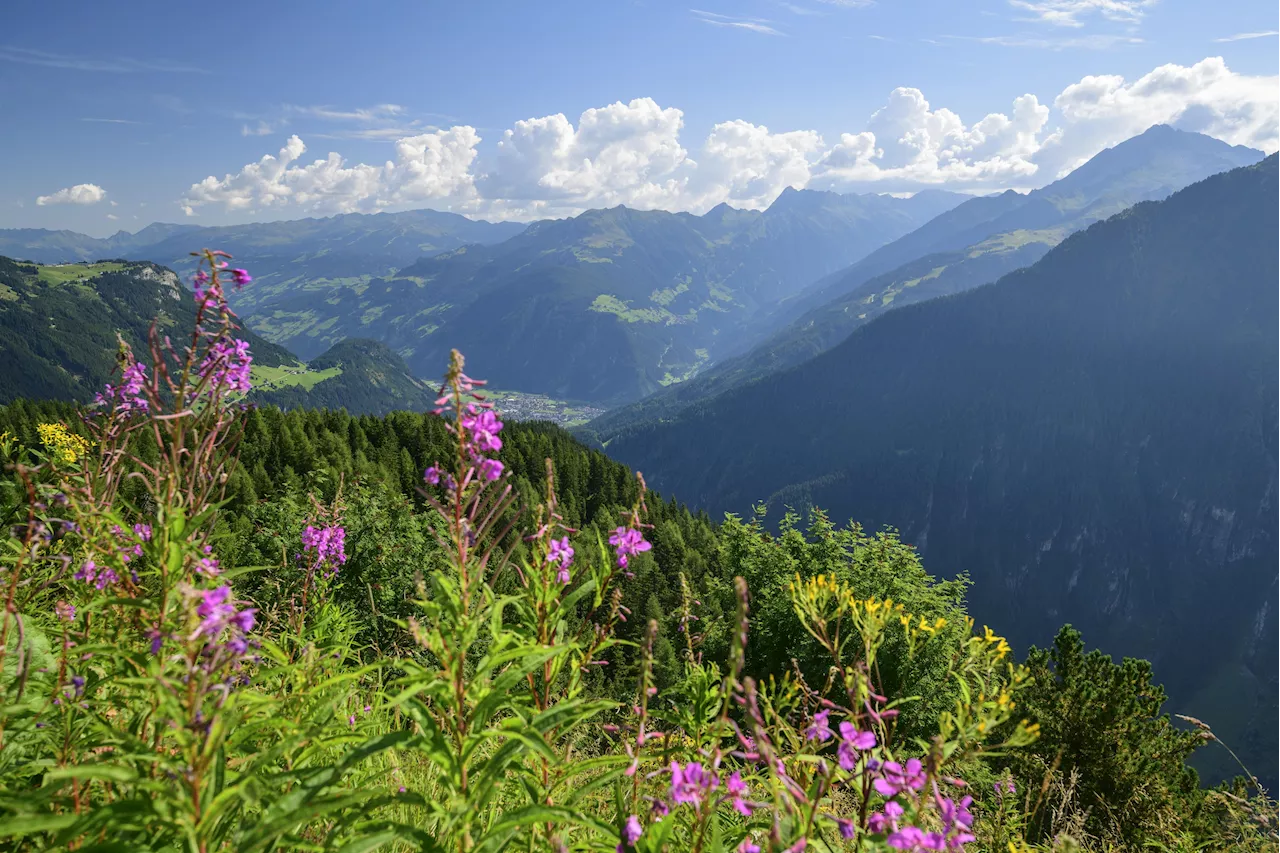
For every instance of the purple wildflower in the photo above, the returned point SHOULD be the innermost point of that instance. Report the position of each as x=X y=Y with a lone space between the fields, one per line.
x=227 y=365
x=851 y=741
x=241 y=278
x=907 y=838
x=631 y=833
x=819 y=729
x=896 y=778
x=690 y=784
x=65 y=612
x=628 y=541
x=484 y=427
x=490 y=469
x=329 y=545
x=560 y=552
x=432 y=475
x=846 y=828
x=886 y=820
x=217 y=613
x=748 y=846
x=738 y=790
x=100 y=576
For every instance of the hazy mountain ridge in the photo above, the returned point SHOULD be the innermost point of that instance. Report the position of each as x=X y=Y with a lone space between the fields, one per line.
x=605 y=306
x=970 y=245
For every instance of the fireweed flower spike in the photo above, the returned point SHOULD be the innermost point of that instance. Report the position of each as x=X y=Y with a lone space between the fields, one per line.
x=328 y=544
x=738 y=791
x=851 y=742
x=227 y=366
x=561 y=554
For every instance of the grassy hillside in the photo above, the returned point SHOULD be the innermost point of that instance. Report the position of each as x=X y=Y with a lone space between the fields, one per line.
x=58 y=324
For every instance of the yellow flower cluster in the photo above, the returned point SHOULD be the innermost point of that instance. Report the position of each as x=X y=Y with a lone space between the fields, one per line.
x=64 y=446
x=823 y=598
x=992 y=639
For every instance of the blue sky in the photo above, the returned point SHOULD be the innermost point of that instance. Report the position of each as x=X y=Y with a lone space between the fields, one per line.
x=127 y=106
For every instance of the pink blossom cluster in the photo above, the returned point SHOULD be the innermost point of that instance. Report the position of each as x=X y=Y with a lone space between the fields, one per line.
x=129 y=395
x=692 y=785
x=227 y=366
x=627 y=542
x=219 y=615
x=956 y=823
x=561 y=554
x=896 y=782
x=214 y=296
x=100 y=576
x=328 y=545
x=478 y=427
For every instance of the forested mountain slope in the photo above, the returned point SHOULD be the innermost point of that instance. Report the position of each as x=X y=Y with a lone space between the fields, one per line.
x=1093 y=439
x=58 y=324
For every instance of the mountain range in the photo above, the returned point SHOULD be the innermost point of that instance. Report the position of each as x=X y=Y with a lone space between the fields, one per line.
x=58 y=326
x=650 y=295
x=970 y=245
x=655 y=294
x=1092 y=439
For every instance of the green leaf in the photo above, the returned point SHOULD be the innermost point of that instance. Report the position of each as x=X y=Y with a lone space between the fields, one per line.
x=35 y=823
x=105 y=772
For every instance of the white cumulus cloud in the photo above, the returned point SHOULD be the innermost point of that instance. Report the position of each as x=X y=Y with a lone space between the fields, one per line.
x=908 y=146
x=428 y=166
x=79 y=194
x=620 y=154
x=1206 y=97
x=632 y=153
x=746 y=165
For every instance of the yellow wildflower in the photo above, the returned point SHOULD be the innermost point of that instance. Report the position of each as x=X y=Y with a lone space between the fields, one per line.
x=64 y=446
